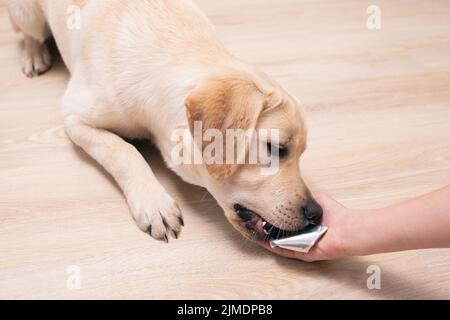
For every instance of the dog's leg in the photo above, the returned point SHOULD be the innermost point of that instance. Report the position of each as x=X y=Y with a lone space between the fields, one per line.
x=27 y=17
x=153 y=209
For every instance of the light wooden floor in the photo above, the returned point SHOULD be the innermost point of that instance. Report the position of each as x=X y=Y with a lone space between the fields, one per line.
x=378 y=104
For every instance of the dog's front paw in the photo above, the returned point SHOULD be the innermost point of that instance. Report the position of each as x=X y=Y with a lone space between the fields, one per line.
x=157 y=214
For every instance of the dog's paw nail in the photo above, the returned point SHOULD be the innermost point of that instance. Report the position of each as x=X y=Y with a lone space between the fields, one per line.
x=181 y=220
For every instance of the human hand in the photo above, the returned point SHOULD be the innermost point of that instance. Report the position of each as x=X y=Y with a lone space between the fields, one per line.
x=419 y=223
x=335 y=243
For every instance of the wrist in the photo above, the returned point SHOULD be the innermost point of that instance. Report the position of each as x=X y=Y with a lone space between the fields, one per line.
x=355 y=233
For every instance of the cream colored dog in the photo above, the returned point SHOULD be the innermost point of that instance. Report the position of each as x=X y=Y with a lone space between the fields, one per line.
x=144 y=68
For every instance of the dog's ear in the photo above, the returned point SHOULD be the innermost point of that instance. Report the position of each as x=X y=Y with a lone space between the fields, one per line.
x=224 y=102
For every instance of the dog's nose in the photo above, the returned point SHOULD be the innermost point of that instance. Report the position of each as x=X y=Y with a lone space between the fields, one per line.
x=313 y=211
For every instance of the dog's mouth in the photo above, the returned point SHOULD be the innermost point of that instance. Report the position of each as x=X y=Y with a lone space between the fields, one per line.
x=261 y=228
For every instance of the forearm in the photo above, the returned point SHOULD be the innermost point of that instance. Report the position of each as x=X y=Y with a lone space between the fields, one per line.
x=420 y=223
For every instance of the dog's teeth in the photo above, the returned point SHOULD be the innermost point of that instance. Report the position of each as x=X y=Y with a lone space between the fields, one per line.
x=266 y=232
x=264 y=223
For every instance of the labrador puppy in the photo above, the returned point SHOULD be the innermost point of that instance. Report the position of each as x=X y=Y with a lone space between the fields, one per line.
x=146 y=68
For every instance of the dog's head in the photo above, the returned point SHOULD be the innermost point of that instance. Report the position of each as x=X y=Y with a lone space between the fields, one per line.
x=260 y=198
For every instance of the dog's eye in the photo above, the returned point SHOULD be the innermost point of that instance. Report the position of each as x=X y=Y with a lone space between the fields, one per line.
x=280 y=150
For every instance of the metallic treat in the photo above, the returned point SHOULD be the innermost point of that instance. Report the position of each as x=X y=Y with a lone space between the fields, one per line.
x=302 y=242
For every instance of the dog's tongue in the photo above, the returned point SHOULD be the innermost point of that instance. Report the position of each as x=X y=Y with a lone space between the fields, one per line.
x=263 y=227
x=259 y=225
x=255 y=223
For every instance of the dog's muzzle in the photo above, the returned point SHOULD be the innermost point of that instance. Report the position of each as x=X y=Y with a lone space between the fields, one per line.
x=264 y=229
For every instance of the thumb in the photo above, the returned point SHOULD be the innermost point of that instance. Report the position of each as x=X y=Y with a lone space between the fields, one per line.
x=328 y=204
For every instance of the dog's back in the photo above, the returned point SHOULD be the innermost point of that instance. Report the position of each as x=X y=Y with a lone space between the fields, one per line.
x=78 y=26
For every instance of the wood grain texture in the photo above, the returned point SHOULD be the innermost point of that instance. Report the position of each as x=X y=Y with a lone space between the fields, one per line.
x=378 y=105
